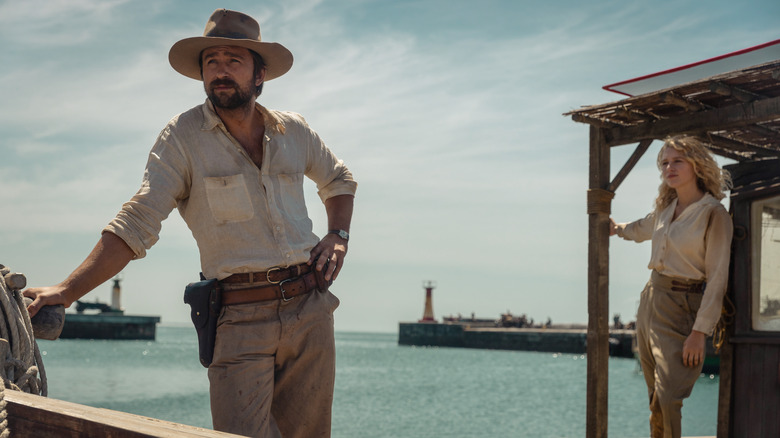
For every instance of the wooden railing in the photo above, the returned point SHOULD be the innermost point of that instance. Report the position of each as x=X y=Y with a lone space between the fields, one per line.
x=35 y=416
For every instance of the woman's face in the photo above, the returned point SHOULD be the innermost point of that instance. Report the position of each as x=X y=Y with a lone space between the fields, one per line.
x=676 y=170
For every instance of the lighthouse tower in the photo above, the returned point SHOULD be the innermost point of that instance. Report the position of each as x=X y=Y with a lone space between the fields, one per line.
x=116 y=293
x=428 y=312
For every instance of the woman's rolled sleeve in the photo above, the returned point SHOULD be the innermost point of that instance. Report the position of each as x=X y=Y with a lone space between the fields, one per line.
x=639 y=230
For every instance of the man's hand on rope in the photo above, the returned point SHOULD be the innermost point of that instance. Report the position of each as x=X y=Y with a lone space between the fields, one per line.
x=45 y=296
x=108 y=258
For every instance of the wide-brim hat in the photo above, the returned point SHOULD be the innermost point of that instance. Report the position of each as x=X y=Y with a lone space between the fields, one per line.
x=229 y=28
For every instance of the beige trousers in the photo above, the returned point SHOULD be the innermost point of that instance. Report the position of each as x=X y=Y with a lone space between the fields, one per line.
x=274 y=368
x=664 y=320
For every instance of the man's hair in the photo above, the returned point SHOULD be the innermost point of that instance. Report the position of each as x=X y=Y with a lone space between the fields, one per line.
x=259 y=64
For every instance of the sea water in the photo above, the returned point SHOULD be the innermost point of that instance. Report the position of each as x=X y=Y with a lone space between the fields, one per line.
x=382 y=389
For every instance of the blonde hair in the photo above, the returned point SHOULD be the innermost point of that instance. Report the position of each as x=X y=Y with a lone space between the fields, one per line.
x=709 y=177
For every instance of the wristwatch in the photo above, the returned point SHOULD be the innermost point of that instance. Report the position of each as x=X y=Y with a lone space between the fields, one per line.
x=341 y=233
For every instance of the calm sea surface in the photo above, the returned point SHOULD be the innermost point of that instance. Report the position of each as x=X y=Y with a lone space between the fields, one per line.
x=382 y=389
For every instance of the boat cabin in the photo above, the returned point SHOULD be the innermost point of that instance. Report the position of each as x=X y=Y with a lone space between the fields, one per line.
x=737 y=114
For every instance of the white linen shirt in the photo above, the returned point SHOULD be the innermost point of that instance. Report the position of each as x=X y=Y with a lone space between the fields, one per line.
x=695 y=246
x=243 y=218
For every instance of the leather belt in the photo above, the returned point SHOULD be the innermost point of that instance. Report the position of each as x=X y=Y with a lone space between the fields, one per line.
x=284 y=290
x=273 y=275
x=691 y=288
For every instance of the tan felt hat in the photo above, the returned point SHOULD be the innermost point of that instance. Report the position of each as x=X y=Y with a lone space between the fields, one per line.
x=229 y=28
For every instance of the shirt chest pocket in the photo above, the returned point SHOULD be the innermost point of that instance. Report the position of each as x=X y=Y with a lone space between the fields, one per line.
x=291 y=195
x=228 y=198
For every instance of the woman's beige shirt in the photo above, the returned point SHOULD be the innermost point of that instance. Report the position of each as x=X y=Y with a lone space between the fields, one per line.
x=695 y=246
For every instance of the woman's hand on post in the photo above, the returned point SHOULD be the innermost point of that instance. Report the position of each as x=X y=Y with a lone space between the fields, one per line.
x=612 y=227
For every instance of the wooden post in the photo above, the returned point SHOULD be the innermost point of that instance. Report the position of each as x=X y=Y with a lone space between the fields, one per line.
x=599 y=201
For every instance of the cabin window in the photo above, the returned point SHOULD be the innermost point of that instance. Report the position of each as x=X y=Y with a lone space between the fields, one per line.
x=766 y=264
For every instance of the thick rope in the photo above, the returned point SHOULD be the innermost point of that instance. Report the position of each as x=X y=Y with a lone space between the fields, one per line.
x=726 y=319
x=600 y=201
x=20 y=359
x=4 y=432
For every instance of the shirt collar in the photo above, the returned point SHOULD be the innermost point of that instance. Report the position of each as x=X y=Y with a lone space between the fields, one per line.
x=273 y=123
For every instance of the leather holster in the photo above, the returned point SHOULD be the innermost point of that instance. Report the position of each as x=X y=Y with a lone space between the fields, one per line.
x=205 y=300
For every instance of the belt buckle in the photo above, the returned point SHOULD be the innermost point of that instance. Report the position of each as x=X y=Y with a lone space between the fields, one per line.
x=281 y=288
x=268 y=275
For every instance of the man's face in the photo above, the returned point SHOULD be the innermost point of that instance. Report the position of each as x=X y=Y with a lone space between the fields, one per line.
x=228 y=76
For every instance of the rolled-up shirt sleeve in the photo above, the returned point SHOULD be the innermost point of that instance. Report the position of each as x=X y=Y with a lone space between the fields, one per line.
x=331 y=176
x=639 y=230
x=164 y=183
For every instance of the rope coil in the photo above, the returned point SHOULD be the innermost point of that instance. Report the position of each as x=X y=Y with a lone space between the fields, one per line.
x=21 y=364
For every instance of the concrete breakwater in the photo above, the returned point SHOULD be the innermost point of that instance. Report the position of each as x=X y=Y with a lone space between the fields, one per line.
x=550 y=339
x=109 y=326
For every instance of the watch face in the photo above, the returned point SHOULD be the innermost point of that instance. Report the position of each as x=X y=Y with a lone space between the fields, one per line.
x=341 y=233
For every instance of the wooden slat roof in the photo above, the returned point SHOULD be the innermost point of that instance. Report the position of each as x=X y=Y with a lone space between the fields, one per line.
x=736 y=113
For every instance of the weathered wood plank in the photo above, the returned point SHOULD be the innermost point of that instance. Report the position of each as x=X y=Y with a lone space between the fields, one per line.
x=36 y=416
x=755 y=365
x=685 y=103
x=735 y=92
x=717 y=119
x=741 y=268
x=726 y=375
x=770 y=399
x=740 y=389
x=738 y=146
x=593 y=121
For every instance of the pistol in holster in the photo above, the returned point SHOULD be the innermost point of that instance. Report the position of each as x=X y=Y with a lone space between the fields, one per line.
x=204 y=298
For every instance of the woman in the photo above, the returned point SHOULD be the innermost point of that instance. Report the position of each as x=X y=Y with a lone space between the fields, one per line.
x=681 y=304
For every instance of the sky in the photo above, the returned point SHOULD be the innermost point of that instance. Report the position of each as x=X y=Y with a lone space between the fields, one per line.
x=449 y=113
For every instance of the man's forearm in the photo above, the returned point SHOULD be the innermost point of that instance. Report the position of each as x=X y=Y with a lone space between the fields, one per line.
x=339 y=211
x=109 y=256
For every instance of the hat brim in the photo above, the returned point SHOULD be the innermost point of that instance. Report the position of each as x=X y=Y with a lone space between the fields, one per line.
x=184 y=55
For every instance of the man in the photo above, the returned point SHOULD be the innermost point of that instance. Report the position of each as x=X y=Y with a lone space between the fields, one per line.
x=234 y=170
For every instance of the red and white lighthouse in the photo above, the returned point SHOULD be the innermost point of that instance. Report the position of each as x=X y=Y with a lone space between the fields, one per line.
x=428 y=312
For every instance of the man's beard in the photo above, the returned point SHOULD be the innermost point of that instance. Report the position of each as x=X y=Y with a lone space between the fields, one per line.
x=240 y=98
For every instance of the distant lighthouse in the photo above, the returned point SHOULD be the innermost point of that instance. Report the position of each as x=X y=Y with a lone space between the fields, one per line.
x=428 y=313
x=116 y=293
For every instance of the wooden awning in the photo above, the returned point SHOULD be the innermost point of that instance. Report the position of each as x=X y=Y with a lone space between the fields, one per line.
x=736 y=113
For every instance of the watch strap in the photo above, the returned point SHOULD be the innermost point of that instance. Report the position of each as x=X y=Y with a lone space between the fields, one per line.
x=341 y=233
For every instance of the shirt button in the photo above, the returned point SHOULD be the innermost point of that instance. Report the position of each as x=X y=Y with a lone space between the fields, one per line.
x=278 y=228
